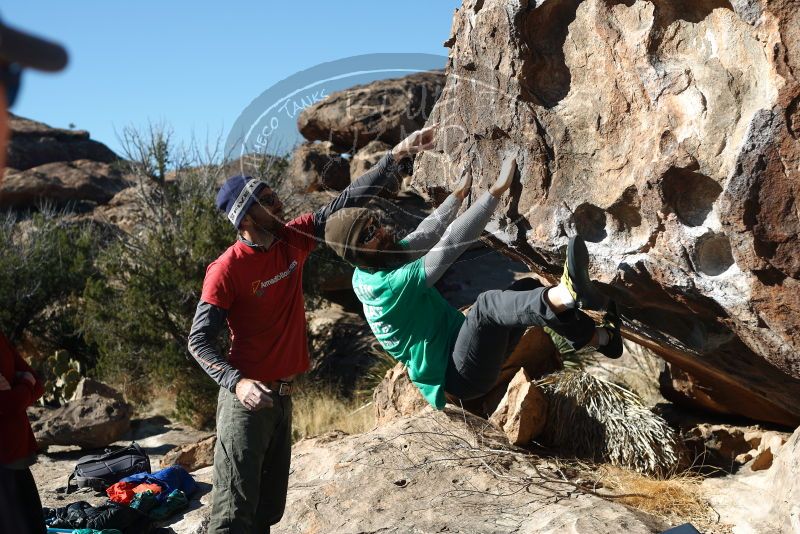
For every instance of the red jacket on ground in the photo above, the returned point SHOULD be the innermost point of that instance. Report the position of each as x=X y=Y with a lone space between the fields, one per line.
x=16 y=437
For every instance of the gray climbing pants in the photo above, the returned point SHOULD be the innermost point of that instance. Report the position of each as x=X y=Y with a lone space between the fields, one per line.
x=493 y=327
x=251 y=465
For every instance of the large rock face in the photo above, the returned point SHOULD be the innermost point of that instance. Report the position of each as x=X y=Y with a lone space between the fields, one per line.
x=666 y=134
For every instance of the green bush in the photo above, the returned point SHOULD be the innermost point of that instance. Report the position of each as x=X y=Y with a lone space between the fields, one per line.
x=139 y=310
x=45 y=261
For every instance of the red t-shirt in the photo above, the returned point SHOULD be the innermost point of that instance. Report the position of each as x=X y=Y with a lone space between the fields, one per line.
x=263 y=294
x=17 y=441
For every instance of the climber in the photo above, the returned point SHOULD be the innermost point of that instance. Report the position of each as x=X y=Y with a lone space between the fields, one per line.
x=444 y=351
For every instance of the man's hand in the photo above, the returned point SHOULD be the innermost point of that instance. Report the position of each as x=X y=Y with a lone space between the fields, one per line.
x=418 y=141
x=25 y=376
x=506 y=177
x=4 y=385
x=462 y=189
x=254 y=395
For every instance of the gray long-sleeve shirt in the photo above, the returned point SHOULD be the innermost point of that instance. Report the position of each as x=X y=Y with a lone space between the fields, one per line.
x=458 y=236
x=209 y=320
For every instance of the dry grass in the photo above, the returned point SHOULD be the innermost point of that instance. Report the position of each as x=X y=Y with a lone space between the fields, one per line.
x=318 y=409
x=677 y=496
x=675 y=500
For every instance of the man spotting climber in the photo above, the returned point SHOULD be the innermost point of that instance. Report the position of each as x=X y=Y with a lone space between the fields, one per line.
x=444 y=351
x=255 y=285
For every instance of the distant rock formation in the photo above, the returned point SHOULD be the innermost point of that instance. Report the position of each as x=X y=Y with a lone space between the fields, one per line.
x=57 y=167
x=317 y=167
x=385 y=110
x=35 y=143
x=664 y=133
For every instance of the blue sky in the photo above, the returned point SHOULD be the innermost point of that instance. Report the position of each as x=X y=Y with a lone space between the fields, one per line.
x=197 y=65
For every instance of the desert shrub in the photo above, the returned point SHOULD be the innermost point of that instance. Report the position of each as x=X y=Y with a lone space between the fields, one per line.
x=140 y=307
x=596 y=419
x=45 y=261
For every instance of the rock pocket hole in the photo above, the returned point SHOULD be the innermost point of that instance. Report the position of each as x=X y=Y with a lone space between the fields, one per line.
x=402 y=483
x=689 y=194
x=590 y=222
x=545 y=75
x=670 y=11
x=625 y=211
x=712 y=254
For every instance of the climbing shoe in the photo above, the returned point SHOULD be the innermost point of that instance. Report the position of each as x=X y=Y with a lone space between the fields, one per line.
x=576 y=276
x=611 y=323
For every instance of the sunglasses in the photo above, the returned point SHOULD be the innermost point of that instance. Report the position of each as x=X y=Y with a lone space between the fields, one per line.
x=10 y=78
x=368 y=234
x=268 y=200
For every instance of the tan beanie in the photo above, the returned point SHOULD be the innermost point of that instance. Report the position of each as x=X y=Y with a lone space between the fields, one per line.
x=343 y=228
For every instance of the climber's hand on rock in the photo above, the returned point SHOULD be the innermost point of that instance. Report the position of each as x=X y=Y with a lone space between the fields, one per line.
x=418 y=141
x=253 y=395
x=506 y=177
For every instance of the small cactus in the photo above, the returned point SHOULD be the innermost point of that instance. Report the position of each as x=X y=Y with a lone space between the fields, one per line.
x=65 y=374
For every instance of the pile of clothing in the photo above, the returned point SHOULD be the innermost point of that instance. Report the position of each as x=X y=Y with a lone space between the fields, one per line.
x=135 y=502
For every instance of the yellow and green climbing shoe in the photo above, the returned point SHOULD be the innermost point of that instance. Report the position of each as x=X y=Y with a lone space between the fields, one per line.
x=576 y=276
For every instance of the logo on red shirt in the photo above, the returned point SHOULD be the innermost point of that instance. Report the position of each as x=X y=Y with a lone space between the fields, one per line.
x=259 y=286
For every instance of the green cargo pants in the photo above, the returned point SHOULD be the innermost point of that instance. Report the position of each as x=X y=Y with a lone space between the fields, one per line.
x=251 y=465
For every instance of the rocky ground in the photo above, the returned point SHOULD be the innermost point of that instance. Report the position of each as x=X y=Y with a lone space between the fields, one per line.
x=452 y=472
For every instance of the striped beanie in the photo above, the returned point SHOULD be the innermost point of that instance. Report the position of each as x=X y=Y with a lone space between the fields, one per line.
x=236 y=196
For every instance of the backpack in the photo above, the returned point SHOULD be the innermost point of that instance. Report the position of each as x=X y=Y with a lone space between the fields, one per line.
x=99 y=471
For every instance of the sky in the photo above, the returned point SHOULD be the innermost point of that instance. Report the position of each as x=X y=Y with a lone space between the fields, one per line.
x=196 y=66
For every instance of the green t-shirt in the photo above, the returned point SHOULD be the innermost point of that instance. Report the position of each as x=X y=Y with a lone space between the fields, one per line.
x=412 y=322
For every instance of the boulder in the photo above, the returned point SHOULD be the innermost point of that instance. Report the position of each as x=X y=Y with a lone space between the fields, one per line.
x=367 y=157
x=396 y=396
x=88 y=386
x=34 y=143
x=425 y=473
x=522 y=412
x=61 y=183
x=192 y=456
x=317 y=167
x=126 y=209
x=387 y=110
x=766 y=501
x=535 y=354
x=665 y=134
x=90 y=422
